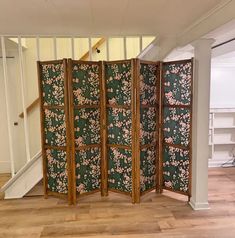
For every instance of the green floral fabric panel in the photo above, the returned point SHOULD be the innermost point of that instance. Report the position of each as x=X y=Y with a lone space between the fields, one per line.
x=87 y=126
x=88 y=167
x=118 y=80
x=86 y=84
x=120 y=169
x=53 y=84
x=148 y=125
x=177 y=83
x=147 y=168
x=176 y=169
x=55 y=127
x=177 y=126
x=57 y=171
x=119 y=126
x=148 y=84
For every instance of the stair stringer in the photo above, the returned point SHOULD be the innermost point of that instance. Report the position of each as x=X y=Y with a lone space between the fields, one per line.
x=25 y=179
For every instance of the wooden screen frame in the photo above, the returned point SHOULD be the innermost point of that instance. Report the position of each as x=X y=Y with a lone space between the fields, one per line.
x=73 y=147
x=135 y=146
x=132 y=108
x=189 y=147
x=68 y=141
x=139 y=147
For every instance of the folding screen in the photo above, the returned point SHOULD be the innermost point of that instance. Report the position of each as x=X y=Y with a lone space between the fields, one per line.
x=148 y=94
x=106 y=128
x=54 y=127
x=119 y=79
x=177 y=119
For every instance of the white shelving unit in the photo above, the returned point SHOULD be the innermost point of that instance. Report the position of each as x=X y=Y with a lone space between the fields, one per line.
x=221 y=135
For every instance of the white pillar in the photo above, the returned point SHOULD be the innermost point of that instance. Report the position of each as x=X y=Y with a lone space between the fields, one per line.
x=201 y=106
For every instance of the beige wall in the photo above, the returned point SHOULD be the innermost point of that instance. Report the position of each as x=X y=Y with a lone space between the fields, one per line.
x=15 y=106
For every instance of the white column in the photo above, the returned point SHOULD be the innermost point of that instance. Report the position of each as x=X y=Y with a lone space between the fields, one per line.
x=201 y=106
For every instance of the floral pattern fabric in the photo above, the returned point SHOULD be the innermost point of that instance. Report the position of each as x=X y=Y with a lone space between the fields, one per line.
x=88 y=170
x=176 y=169
x=57 y=171
x=148 y=125
x=177 y=126
x=119 y=126
x=148 y=158
x=87 y=126
x=53 y=84
x=55 y=127
x=118 y=83
x=148 y=84
x=86 y=84
x=120 y=169
x=177 y=83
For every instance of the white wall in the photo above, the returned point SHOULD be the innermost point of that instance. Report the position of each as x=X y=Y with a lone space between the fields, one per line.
x=15 y=104
x=222 y=86
x=4 y=146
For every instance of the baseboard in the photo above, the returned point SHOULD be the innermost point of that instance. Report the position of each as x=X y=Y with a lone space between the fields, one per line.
x=216 y=163
x=5 y=167
x=199 y=206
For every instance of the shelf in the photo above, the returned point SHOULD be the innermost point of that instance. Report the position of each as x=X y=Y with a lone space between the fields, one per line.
x=225 y=143
x=221 y=135
x=218 y=161
x=222 y=110
x=224 y=127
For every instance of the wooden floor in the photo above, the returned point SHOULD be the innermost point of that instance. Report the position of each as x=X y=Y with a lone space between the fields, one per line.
x=166 y=215
x=3 y=179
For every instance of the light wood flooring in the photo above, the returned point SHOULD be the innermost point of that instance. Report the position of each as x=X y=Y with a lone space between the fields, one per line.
x=165 y=215
x=3 y=179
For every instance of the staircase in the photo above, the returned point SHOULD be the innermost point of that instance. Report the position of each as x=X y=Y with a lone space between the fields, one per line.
x=25 y=179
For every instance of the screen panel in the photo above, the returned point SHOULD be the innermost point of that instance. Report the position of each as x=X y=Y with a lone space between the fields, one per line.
x=85 y=104
x=119 y=80
x=148 y=116
x=54 y=126
x=177 y=126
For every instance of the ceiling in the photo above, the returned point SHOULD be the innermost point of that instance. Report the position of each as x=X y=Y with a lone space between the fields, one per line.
x=103 y=17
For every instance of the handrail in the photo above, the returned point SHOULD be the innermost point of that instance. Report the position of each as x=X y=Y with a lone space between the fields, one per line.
x=84 y=57
x=94 y=47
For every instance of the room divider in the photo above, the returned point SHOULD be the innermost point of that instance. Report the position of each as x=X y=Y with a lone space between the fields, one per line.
x=121 y=126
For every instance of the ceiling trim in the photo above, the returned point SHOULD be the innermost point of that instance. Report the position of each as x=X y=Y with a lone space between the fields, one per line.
x=206 y=16
x=221 y=15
